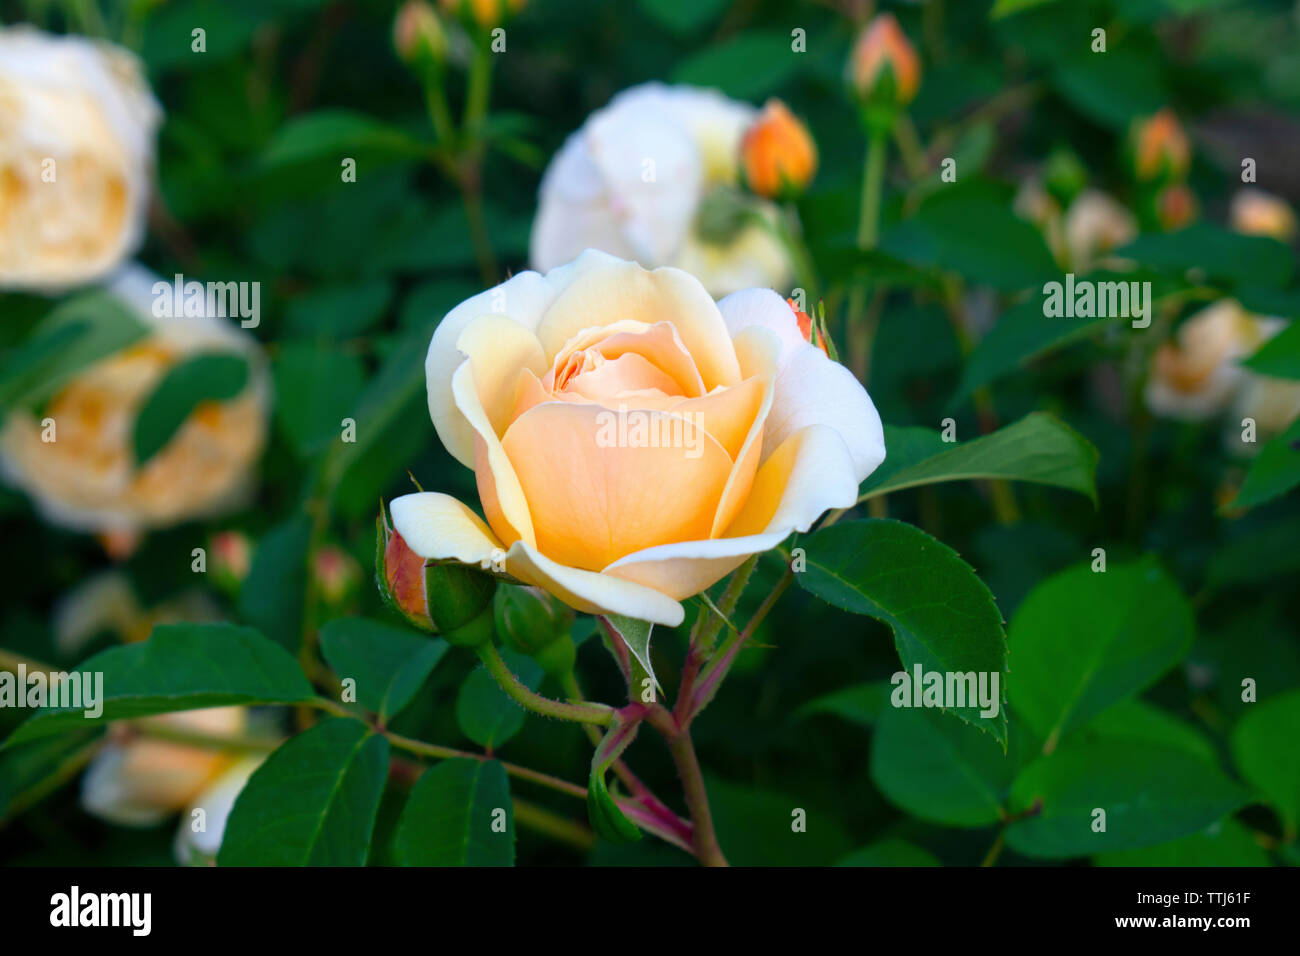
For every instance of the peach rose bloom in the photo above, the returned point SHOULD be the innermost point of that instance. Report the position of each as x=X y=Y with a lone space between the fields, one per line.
x=77 y=130
x=1258 y=213
x=633 y=441
x=87 y=479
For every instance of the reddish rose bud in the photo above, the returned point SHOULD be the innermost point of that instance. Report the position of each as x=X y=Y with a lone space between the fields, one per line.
x=418 y=35
x=446 y=597
x=1176 y=207
x=884 y=67
x=812 y=333
x=232 y=556
x=337 y=574
x=777 y=155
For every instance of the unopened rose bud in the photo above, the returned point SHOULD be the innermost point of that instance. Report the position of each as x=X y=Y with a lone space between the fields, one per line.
x=1160 y=148
x=1175 y=207
x=1257 y=213
x=451 y=599
x=418 y=35
x=812 y=333
x=528 y=619
x=230 y=559
x=484 y=13
x=777 y=155
x=884 y=68
x=337 y=574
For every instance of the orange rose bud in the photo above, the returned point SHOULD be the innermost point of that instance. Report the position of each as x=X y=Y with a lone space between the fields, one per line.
x=1160 y=148
x=232 y=557
x=884 y=66
x=485 y=13
x=778 y=157
x=1175 y=207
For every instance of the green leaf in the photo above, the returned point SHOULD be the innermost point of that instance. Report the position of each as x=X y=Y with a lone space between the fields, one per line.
x=1020 y=335
x=890 y=853
x=1139 y=721
x=340 y=309
x=940 y=769
x=1151 y=794
x=1005 y=252
x=1116 y=87
x=942 y=615
x=746 y=66
x=389 y=664
x=1083 y=640
x=73 y=336
x=209 y=377
x=313 y=802
x=1226 y=843
x=271 y=597
x=1005 y=8
x=683 y=17
x=754 y=825
x=488 y=715
x=332 y=135
x=1038 y=448
x=1215 y=251
x=32 y=770
x=861 y=704
x=453 y=817
x=1279 y=357
x=1266 y=749
x=316 y=388
x=636 y=635
x=181 y=667
x=1275 y=471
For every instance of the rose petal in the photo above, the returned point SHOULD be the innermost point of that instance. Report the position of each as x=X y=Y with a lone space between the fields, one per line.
x=623 y=290
x=594 y=495
x=809 y=474
x=498 y=486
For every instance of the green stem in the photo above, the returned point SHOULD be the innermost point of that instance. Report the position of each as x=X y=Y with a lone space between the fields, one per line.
x=861 y=331
x=587 y=713
x=704 y=841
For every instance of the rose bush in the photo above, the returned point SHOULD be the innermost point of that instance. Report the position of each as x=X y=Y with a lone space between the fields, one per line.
x=523 y=379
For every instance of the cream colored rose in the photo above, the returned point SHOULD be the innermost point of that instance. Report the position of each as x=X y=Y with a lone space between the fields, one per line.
x=142 y=780
x=87 y=479
x=1199 y=375
x=1095 y=225
x=1258 y=213
x=636 y=180
x=633 y=441
x=138 y=780
x=77 y=131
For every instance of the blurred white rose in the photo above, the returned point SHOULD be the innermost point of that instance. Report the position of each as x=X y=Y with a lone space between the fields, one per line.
x=652 y=177
x=87 y=479
x=1258 y=213
x=1199 y=374
x=1095 y=225
x=77 y=130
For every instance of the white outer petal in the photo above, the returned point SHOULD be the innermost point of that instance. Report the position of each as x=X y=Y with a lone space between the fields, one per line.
x=810 y=388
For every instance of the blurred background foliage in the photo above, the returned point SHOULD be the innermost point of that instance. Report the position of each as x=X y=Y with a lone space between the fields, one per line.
x=356 y=276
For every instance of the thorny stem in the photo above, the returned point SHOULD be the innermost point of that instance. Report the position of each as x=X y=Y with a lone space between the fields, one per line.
x=704 y=841
x=584 y=712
